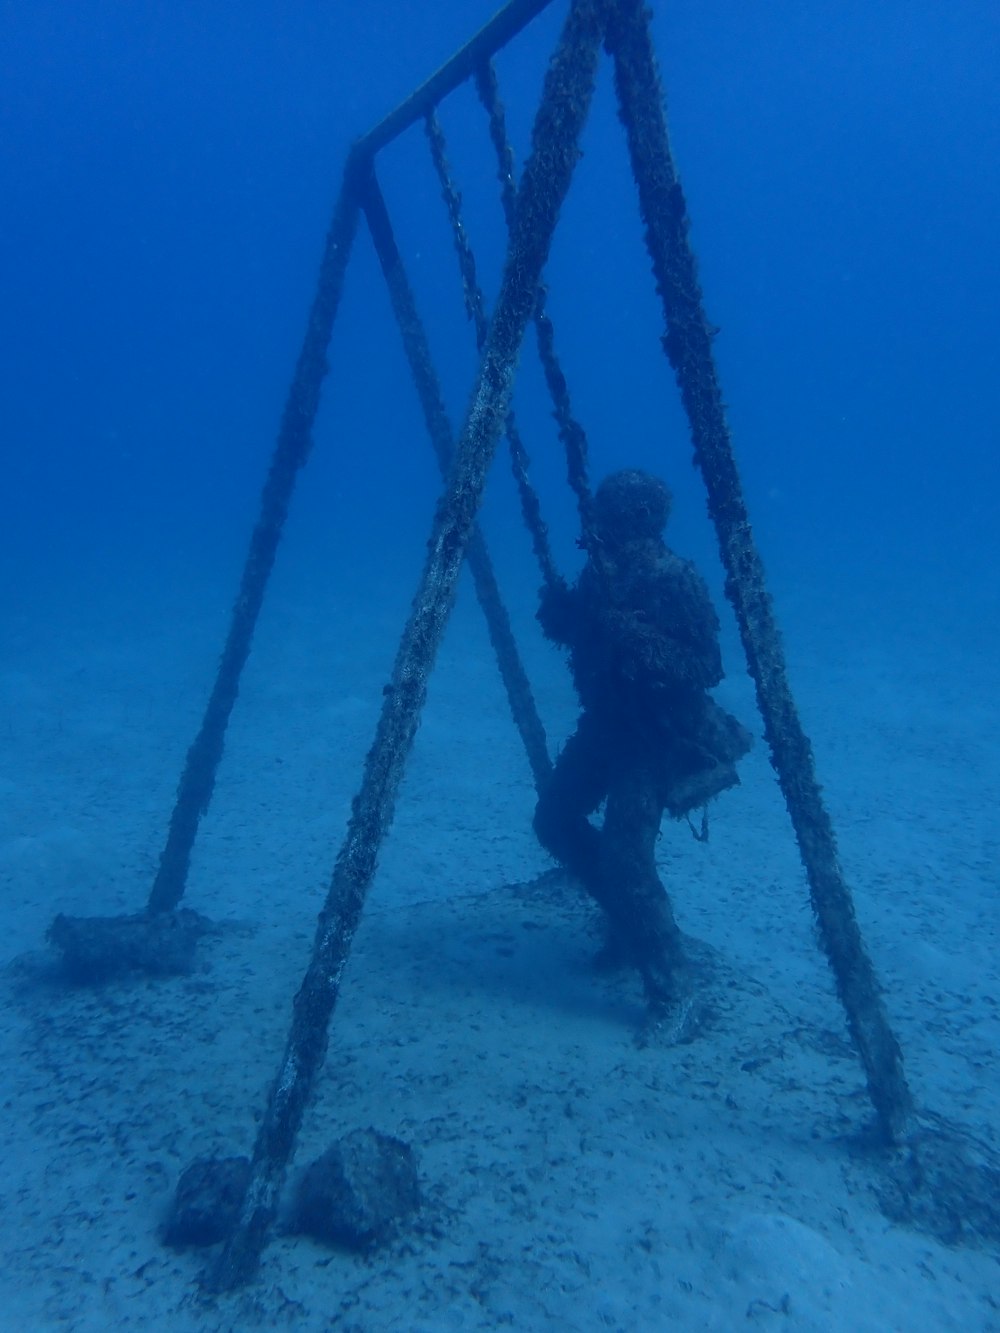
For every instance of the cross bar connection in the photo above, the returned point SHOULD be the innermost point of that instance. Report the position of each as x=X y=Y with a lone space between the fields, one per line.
x=502 y=27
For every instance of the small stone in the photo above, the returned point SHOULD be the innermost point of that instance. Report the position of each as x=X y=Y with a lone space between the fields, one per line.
x=207 y=1202
x=355 y=1192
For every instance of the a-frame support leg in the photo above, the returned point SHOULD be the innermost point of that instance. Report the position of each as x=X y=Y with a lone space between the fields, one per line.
x=194 y=791
x=566 y=100
x=688 y=345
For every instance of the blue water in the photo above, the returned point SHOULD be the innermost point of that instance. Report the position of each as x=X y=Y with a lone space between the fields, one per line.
x=167 y=175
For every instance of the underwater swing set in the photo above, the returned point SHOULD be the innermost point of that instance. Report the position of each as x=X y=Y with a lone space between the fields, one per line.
x=949 y=1183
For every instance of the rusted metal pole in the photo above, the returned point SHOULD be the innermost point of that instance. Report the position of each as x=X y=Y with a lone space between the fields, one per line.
x=565 y=102
x=194 y=791
x=688 y=344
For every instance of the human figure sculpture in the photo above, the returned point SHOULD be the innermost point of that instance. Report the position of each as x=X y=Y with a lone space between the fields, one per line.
x=644 y=652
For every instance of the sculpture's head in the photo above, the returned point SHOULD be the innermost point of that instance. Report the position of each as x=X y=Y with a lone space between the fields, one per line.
x=630 y=505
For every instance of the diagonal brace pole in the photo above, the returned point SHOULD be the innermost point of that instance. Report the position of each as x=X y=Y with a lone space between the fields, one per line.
x=565 y=102
x=688 y=345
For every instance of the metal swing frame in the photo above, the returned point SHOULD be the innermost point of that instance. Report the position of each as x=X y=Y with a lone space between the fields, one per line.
x=621 y=28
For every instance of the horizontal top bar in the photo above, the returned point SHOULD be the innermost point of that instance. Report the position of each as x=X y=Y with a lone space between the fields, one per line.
x=505 y=24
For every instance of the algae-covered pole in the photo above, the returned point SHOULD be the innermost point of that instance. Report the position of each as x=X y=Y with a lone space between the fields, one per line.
x=418 y=354
x=475 y=305
x=571 y=433
x=194 y=792
x=688 y=345
x=566 y=99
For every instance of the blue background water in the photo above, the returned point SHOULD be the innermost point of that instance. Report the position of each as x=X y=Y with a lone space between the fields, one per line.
x=168 y=174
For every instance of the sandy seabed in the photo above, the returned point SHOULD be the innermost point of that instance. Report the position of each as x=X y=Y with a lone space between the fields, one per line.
x=572 y=1181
